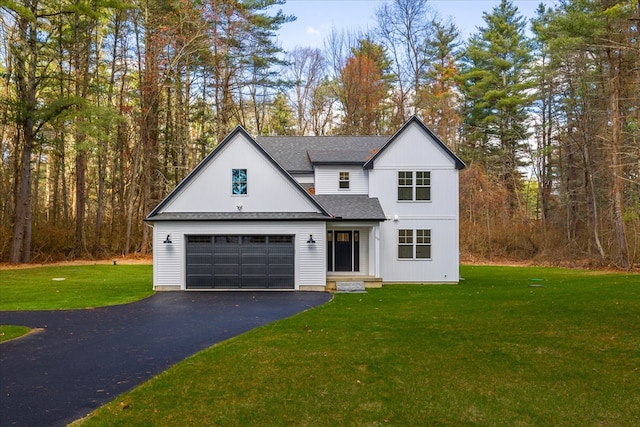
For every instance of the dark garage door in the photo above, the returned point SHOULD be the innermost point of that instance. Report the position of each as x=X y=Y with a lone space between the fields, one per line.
x=240 y=262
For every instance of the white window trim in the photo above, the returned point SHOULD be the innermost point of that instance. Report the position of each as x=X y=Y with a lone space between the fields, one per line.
x=414 y=245
x=414 y=186
x=340 y=181
x=246 y=183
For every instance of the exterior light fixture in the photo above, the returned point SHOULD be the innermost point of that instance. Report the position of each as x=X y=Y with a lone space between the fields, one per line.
x=168 y=239
x=311 y=239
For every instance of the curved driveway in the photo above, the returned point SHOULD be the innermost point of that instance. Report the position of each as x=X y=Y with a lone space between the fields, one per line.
x=84 y=358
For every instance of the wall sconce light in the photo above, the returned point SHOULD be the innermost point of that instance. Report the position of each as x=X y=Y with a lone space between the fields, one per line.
x=168 y=239
x=311 y=239
x=239 y=207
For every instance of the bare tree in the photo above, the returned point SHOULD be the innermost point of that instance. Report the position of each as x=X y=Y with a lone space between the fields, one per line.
x=306 y=71
x=404 y=28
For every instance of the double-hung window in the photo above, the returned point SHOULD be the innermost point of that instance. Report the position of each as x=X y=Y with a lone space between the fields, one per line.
x=423 y=244
x=405 y=244
x=405 y=185
x=414 y=185
x=238 y=182
x=343 y=180
x=414 y=244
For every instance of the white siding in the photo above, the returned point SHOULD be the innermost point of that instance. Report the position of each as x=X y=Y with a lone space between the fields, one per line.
x=268 y=189
x=364 y=251
x=414 y=150
x=327 y=180
x=441 y=268
x=169 y=259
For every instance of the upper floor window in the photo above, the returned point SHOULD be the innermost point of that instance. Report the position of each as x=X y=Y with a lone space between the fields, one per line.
x=343 y=181
x=238 y=181
x=414 y=185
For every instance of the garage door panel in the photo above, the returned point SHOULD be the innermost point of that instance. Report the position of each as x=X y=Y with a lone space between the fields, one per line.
x=254 y=270
x=201 y=261
x=254 y=249
x=253 y=283
x=258 y=259
x=226 y=250
x=222 y=282
x=240 y=262
x=226 y=270
x=279 y=283
x=200 y=281
x=200 y=270
x=280 y=272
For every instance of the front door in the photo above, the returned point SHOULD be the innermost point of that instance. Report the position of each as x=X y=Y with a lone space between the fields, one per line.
x=344 y=250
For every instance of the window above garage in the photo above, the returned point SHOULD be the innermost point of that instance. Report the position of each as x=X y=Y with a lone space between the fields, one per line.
x=239 y=182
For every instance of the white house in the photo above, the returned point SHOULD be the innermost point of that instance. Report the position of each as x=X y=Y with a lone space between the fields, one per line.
x=302 y=213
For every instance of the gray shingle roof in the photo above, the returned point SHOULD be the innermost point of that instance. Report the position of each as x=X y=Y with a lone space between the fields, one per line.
x=237 y=216
x=352 y=207
x=358 y=157
x=341 y=207
x=295 y=153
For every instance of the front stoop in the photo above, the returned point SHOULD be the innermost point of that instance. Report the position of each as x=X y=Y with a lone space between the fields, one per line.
x=350 y=287
x=368 y=281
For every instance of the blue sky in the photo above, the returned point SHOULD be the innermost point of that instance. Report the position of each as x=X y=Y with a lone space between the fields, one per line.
x=317 y=17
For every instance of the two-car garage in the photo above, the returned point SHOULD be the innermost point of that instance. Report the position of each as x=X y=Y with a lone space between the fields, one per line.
x=240 y=262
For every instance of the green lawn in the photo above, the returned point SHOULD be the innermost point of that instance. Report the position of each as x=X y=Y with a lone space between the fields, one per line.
x=9 y=332
x=490 y=351
x=71 y=287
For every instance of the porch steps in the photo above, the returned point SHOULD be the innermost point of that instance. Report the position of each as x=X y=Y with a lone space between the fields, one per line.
x=351 y=282
x=352 y=287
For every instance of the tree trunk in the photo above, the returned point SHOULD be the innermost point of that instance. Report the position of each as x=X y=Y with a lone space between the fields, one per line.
x=24 y=196
x=149 y=104
x=26 y=61
x=617 y=169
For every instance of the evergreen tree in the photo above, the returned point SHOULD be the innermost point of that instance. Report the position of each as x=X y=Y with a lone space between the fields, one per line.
x=440 y=95
x=495 y=85
x=281 y=117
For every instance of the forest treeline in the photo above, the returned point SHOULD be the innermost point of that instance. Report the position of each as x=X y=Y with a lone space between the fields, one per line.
x=107 y=104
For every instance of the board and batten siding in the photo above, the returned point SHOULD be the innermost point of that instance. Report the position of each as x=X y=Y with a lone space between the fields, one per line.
x=415 y=151
x=169 y=258
x=443 y=267
x=327 y=180
x=268 y=190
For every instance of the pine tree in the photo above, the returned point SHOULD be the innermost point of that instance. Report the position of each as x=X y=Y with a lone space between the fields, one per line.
x=495 y=85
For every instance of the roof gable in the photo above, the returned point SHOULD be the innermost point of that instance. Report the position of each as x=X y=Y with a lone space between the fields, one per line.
x=414 y=120
x=208 y=188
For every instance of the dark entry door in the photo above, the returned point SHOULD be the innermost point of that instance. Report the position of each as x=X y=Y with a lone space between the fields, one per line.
x=344 y=251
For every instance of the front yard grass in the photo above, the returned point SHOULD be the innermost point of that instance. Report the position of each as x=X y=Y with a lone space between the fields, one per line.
x=72 y=287
x=492 y=351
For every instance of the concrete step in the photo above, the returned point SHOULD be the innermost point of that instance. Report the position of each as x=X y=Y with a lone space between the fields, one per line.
x=350 y=287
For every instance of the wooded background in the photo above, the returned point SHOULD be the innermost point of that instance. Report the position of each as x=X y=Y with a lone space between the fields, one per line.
x=106 y=105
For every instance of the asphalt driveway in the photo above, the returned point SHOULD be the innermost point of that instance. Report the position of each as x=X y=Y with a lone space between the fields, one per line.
x=84 y=358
